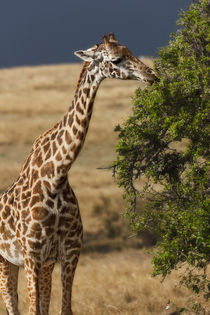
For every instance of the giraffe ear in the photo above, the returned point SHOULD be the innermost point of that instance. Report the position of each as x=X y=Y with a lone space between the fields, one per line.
x=86 y=55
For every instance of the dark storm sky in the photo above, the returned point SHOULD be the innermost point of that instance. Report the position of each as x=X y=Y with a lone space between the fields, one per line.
x=49 y=31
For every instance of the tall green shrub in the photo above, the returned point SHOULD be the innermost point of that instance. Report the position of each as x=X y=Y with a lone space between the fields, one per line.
x=165 y=141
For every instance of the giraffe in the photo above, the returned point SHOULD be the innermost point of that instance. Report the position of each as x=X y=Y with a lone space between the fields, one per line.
x=40 y=221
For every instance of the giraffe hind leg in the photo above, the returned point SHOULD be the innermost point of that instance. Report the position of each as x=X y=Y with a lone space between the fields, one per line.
x=17 y=304
x=68 y=267
x=8 y=285
x=45 y=279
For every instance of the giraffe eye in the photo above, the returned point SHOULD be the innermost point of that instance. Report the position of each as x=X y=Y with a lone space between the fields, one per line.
x=117 y=61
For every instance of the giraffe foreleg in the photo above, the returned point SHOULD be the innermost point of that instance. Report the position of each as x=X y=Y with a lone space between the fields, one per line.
x=32 y=269
x=45 y=279
x=8 y=285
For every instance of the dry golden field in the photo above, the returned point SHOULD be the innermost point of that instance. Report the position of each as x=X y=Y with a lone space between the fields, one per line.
x=119 y=281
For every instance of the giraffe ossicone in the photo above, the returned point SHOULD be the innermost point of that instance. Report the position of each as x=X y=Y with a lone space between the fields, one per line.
x=40 y=221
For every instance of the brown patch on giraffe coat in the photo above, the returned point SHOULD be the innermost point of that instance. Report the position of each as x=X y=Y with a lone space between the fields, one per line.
x=64 y=119
x=44 y=141
x=74 y=130
x=50 y=194
x=38 y=190
x=68 y=137
x=17 y=191
x=64 y=150
x=35 y=231
x=54 y=147
x=74 y=210
x=70 y=121
x=28 y=220
x=28 y=171
x=75 y=225
x=24 y=228
x=46 y=184
x=88 y=79
x=80 y=135
x=77 y=120
x=46 y=147
x=24 y=214
x=48 y=155
x=11 y=200
x=79 y=109
x=48 y=169
x=5 y=198
x=25 y=197
x=59 y=203
x=65 y=221
x=6 y=212
x=35 y=175
x=72 y=243
x=83 y=122
x=86 y=91
x=38 y=159
x=50 y=203
x=18 y=233
x=53 y=136
x=50 y=220
x=60 y=182
x=39 y=213
x=35 y=245
x=82 y=100
x=76 y=149
x=73 y=148
x=59 y=137
x=73 y=200
x=34 y=200
x=49 y=231
x=11 y=222
x=90 y=109
x=26 y=186
x=36 y=226
x=58 y=156
x=61 y=169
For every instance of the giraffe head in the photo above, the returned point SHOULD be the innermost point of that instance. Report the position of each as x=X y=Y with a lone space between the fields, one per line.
x=116 y=61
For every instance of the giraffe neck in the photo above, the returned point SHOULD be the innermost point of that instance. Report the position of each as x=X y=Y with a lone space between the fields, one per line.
x=75 y=122
x=54 y=152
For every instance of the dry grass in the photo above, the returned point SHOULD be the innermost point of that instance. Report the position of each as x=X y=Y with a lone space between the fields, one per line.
x=117 y=283
x=32 y=100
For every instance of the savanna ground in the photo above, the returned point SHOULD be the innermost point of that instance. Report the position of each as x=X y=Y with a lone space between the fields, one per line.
x=114 y=272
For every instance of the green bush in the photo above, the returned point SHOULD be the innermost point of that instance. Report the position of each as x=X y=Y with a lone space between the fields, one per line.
x=165 y=140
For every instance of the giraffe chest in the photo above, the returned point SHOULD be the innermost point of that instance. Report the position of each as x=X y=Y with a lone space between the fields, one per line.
x=58 y=235
x=42 y=233
x=50 y=244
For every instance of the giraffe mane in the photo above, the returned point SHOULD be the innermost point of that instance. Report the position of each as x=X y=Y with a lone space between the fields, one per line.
x=85 y=65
